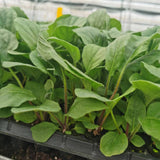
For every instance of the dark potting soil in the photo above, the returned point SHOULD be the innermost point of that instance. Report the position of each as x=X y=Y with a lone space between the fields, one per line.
x=19 y=150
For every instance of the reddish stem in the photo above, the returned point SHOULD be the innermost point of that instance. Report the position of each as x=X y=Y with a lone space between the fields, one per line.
x=127 y=129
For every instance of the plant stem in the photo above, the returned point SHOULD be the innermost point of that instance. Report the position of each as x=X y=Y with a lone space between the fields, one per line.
x=96 y=132
x=65 y=93
x=127 y=129
x=107 y=85
x=38 y=116
x=101 y=116
x=106 y=91
x=41 y=115
x=114 y=93
x=16 y=78
x=134 y=131
x=36 y=113
x=65 y=98
x=59 y=122
x=115 y=122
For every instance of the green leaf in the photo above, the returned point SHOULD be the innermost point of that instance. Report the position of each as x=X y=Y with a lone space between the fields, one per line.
x=150 y=90
x=47 y=53
x=156 y=142
x=66 y=20
x=79 y=128
x=27 y=117
x=84 y=106
x=87 y=123
x=150 y=31
x=113 y=143
x=154 y=110
x=8 y=41
x=110 y=125
x=152 y=127
x=91 y=35
x=65 y=32
x=73 y=50
x=150 y=72
x=93 y=56
x=90 y=125
x=136 y=110
x=47 y=106
x=5 y=112
x=13 y=96
x=5 y=76
x=8 y=64
x=28 y=30
x=99 y=19
x=59 y=115
x=38 y=133
x=115 y=53
x=20 y=12
x=7 y=16
x=84 y=93
x=114 y=23
x=38 y=62
x=113 y=33
x=49 y=85
x=125 y=49
x=37 y=90
x=16 y=53
x=142 y=45
x=137 y=141
x=113 y=103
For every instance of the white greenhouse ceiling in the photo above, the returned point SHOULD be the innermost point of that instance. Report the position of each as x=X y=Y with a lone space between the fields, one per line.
x=133 y=14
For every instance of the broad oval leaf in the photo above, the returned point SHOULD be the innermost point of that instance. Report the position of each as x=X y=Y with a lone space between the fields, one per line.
x=47 y=106
x=84 y=93
x=28 y=30
x=152 y=127
x=150 y=90
x=20 y=12
x=7 y=17
x=114 y=23
x=99 y=19
x=43 y=131
x=66 y=20
x=115 y=53
x=150 y=72
x=82 y=106
x=8 y=41
x=91 y=35
x=92 y=56
x=136 y=110
x=113 y=143
x=38 y=62
x=73 y=50
x=13 y=96
x=154 y=110
x=65 y=32
x=137 y=141
x=79 y=128
x=5 y=112
x=27 y=117
x=37 y=90
x=109 y=123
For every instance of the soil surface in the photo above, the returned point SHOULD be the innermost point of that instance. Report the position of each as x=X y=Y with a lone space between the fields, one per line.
x=20 y=150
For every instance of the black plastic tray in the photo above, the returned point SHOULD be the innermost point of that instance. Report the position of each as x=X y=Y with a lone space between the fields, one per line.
x=72 y=144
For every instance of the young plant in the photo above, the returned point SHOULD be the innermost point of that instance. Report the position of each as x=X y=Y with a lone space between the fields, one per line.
x=81 y=75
